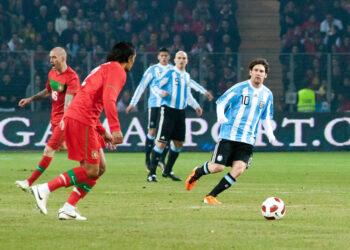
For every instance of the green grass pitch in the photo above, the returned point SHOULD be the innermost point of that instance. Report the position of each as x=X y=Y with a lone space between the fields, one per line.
x=126 y=212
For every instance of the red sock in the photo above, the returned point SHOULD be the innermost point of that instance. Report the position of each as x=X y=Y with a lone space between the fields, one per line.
x=79 y=193
x=42 y=166
x=72 y=177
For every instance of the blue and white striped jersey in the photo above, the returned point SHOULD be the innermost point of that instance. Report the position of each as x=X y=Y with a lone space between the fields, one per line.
x=244 y=107
x=149 y=78
x=177 y=83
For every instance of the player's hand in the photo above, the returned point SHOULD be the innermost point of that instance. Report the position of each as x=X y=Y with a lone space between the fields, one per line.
x=107 y=137
x=62 y=124
x=199 y=111
x=117 y=137
x=165 y=93
x=111 y=146
x=24 y=102
x=129 y=108
x=209 y=96
x=222 y=120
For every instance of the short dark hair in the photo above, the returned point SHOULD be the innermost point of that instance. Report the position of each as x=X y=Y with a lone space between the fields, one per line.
x=261 y=61
x=121 y=52
x=163 y=49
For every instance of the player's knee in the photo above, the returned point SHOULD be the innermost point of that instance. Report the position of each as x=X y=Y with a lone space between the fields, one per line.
x=48 y=151
x=92 y=172
x=102 y=169
x=216 y=168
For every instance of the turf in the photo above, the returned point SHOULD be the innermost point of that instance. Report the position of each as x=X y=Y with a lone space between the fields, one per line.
x=126 y=212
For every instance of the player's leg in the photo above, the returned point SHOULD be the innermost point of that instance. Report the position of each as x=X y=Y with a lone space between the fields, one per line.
x=241 y=157
x=83 y=146
x=217 y=164
x=165 y=128
x=153 y=114
x=161 y=163
x=51 y=146
x=178 y=137
x=69 y=210
x=175 y=149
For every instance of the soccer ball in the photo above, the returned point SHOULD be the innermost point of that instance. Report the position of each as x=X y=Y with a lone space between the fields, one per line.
x=273 y=208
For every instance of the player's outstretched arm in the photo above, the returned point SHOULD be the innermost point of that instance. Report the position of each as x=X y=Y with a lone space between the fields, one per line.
x=39 y=96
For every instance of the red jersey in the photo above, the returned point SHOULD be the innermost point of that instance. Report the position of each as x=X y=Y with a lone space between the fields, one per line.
x=59 y=85
x=100 y=90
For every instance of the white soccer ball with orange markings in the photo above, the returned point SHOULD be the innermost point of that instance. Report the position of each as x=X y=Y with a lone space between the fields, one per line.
x=273 y=208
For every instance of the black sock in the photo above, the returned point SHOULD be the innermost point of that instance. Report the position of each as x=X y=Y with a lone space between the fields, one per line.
x=203 y=170
x=149 y=146
x=154 y=162
x=224 y=184
x=171 y=161
x=166 y=149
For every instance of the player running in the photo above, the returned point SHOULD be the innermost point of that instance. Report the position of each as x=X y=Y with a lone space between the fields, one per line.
x=62 y=85
x=82 y=127
x=239 y=112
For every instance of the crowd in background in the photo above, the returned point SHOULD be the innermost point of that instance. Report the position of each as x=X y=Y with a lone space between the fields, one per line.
x=200 y=27
x=87 y=29
x=316 y=27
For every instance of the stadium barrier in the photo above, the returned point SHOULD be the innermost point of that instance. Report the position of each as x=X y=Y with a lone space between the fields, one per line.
x=294 y=132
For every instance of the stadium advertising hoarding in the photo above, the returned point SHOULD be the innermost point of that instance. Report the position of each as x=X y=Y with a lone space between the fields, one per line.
x=294 y=132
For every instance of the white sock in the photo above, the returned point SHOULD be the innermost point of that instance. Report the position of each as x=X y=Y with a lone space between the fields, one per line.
x=68 y=207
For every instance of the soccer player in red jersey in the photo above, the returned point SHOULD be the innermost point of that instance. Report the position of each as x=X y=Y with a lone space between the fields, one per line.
x=83 y=129
x=62 y=85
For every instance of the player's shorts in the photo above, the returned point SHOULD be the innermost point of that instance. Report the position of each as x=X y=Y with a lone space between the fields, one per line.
x=172 y=124
x=83 y=141
x=153 y=114
x=57 y=137
x=226 y=152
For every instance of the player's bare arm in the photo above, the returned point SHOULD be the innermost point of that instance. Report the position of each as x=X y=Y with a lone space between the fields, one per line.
x=37 y=97
x=67 y=100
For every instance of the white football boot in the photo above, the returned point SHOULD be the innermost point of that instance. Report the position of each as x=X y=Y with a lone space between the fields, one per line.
x=70 y=215
x=24 y=185
x=40 y=198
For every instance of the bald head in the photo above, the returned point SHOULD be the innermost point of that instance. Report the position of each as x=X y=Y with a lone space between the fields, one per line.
x=58 y=58
x=59 y=51
x=181 y=60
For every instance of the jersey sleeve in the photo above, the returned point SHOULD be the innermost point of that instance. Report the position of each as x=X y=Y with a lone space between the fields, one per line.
x=191 y=101
x=197 y=87
x=268 y=112
x=73 y=84
x=99 y=127
x=146 y=79
x=113 y=85
x=48 y=87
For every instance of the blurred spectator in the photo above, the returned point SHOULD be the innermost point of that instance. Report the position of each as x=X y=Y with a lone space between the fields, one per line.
x=306 y=99
x=67 y=34
x=202 y=46
x=61 y=22
x=330 y=28
x=188 y=37
x=124 y=101
x=80 y=21
x=8 y=100
x=42 y=19
x=15 y=43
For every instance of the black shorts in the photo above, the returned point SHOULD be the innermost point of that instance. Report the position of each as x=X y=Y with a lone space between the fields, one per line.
x=226 y=152
x=153 y=114
x=172 y=124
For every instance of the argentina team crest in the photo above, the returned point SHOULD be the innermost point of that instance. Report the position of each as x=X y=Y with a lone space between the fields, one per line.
x=261 y=104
